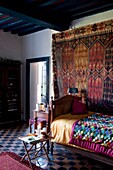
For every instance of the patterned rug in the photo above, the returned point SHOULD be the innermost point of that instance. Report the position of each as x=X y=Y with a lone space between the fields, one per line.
x=11 y=161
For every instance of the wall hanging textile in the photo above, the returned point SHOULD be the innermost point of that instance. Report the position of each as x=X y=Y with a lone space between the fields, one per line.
x=83 y=58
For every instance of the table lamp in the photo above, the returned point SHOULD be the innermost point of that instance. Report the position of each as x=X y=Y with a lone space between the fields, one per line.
x=72 y=90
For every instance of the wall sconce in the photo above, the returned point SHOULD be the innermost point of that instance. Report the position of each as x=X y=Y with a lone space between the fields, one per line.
x=73 y=91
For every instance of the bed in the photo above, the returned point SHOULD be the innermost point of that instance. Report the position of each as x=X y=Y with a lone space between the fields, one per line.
x=74 y=131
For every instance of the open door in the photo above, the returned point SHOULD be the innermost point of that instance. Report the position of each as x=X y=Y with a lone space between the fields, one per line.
x=37 y=83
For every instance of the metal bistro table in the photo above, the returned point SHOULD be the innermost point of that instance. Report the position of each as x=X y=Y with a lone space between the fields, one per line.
x=33 y=149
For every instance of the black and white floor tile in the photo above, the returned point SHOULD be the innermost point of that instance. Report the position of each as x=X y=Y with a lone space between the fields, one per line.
x=61 y=160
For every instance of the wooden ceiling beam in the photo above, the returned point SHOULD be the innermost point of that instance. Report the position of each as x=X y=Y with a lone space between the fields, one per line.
x=10 y=26
x=91 y=11
x=30 y=30
x=17 y=29
x=50 y=2
x=58 y=27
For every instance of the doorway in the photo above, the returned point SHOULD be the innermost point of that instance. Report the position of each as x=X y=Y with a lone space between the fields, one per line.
x=37 y=83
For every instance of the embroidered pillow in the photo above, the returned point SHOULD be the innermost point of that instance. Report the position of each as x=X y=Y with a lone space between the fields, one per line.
x=78 y=107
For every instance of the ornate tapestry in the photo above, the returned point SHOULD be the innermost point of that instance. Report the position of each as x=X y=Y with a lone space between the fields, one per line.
x=83 y=58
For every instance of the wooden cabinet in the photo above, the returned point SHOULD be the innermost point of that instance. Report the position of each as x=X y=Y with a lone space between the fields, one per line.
x=10 y=91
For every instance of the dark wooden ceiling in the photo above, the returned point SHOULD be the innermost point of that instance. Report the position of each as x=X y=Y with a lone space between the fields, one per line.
x=23 y=17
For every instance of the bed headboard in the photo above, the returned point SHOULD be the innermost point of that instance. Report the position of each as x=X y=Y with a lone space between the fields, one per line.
x=61 y=105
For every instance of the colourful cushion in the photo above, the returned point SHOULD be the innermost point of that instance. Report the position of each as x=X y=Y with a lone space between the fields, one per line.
x=78 y=107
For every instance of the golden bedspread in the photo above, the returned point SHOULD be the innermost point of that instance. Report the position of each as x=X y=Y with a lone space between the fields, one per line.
x=61 y=127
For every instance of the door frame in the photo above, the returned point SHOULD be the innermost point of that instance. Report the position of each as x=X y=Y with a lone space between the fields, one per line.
x=28 y=62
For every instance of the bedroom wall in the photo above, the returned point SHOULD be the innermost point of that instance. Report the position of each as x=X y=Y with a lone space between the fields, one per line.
x=33 y=46
x=37 y=45
x=10 y=46
x=92 y=19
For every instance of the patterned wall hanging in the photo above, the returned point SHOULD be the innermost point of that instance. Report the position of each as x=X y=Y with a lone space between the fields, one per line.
x=83 y=58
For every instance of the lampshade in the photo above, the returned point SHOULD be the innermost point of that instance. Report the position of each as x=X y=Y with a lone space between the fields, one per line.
x=72 y=90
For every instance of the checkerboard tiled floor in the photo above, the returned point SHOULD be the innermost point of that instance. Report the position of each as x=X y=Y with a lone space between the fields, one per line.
x=61 y=160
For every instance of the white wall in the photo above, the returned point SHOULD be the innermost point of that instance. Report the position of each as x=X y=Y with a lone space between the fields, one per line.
x=33 y=46
x=36 y=44
x=92 y=19
x=10 y=46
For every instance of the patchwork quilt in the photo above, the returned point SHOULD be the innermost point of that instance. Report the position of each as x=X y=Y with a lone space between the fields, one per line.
x=94 y=132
